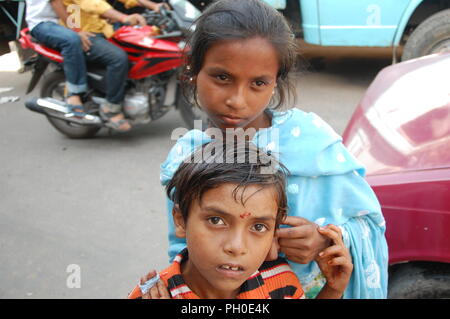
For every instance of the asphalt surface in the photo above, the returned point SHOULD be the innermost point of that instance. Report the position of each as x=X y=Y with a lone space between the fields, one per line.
x=95 y=207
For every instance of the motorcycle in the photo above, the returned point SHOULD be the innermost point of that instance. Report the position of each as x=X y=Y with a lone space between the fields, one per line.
x=152 y=87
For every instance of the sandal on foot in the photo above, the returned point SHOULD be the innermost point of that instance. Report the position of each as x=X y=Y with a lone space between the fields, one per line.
x=108 y=112
x=75 y=111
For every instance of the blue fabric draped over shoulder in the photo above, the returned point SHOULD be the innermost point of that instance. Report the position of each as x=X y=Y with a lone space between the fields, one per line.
x=326 y=185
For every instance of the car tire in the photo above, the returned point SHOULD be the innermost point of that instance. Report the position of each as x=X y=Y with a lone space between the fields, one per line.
x=431 y=36
x=420 y=281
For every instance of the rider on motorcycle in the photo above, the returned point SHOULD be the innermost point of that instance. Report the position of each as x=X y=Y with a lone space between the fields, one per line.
x=42 y=19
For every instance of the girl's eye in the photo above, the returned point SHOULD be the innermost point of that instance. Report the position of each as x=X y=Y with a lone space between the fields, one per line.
x=215 y=221
x=222 y=77
x=260 y=83
x=260 y=228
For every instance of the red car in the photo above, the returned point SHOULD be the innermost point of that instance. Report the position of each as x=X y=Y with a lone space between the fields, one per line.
x=401 y=132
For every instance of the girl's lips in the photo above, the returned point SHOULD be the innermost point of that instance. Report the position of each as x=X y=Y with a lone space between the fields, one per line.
x=231 y=120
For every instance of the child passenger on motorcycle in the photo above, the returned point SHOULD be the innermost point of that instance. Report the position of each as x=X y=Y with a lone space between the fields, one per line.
x=229 y=200
x=94 y=17
x=238 y=71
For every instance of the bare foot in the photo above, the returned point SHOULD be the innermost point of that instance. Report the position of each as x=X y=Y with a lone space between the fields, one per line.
x=74 y=100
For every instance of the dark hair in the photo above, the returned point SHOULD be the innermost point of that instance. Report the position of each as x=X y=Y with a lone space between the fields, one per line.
x=220 y=162
x=239 y=19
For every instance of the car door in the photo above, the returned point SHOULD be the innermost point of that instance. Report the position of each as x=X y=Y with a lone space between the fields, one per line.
x=358 y=22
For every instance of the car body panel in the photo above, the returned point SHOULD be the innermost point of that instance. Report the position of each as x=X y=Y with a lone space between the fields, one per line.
x=277 y=4
x=401 y=132
x=379 y=23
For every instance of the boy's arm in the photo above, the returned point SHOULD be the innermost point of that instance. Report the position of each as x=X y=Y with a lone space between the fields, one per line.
x=153 y=5
x=60 y=9
x=335 y=262
x=117 y=16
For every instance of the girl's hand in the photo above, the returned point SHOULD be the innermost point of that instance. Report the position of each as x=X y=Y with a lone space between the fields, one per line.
x=302 y=242
x=158 y=291
x=335 y=262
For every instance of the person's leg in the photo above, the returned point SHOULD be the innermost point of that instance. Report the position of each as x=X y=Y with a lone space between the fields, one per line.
x=69 y=44
x=116 y=62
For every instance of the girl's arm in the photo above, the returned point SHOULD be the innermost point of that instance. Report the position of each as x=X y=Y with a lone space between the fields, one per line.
x=351 y=204
x=335 y=263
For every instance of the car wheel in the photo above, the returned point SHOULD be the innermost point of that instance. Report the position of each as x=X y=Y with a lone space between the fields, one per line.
x=420 y=281
x=431 y=36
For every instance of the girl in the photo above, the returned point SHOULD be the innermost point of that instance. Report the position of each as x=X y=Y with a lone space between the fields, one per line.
x=237 y=72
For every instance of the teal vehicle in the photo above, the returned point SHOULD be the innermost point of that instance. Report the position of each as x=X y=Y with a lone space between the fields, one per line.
x=421 y=27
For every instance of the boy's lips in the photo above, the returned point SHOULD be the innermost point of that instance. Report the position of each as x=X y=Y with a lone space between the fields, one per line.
x=231 y=270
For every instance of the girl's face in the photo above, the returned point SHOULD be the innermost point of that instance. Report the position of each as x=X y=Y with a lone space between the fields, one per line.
x=237 y=81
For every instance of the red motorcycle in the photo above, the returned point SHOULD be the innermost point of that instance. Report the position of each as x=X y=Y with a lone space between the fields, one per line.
x=152 y=87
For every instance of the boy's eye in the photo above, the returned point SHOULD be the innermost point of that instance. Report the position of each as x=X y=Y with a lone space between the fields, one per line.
x=215 y=221
x=260 y=228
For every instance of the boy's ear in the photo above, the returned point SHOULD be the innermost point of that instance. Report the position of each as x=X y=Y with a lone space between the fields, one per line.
x=178 y=220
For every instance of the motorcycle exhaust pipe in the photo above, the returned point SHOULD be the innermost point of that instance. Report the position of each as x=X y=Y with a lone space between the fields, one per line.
x=58 y=109
x=32 y=105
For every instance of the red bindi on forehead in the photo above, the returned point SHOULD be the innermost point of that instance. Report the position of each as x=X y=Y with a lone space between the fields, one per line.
x=244 y=215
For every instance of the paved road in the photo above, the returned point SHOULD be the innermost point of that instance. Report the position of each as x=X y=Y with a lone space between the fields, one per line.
x=97 y=204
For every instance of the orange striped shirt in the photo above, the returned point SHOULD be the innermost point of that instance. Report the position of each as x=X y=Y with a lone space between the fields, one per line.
x=273 y=280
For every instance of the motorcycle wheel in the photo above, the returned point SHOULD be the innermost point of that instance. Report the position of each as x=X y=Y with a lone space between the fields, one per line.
x=53 y=86
x=190 y=113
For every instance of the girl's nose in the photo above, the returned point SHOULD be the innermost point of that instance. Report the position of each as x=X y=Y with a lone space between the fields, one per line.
x=237 y=99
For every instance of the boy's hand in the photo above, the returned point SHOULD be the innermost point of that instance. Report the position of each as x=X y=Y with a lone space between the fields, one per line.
x=335 y=262
x=85 y=42
x=158 y=291
x=134 y=19
x=302 y=242
x=158 y=6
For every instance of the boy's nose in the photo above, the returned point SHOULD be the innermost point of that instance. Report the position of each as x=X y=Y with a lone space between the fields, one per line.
x=235 y=245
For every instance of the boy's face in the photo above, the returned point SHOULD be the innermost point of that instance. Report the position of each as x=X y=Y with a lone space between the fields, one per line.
x=227 y=241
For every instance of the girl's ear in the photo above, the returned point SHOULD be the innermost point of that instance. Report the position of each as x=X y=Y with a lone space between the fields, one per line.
x=178 y=220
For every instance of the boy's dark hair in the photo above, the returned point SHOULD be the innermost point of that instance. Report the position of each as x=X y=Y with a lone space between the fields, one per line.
x=239 y=20
x=242 y=164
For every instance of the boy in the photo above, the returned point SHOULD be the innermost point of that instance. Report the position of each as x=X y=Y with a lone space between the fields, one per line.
x=228 y=206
